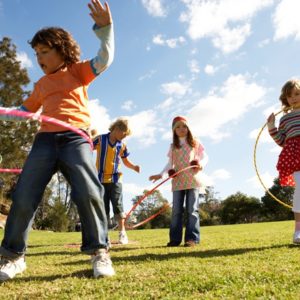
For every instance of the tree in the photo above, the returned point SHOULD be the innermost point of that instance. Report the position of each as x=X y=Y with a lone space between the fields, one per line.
x=210 y=208
x=16 y=137
x=239 y=208
x=57 y=201
x=273 y=210
x=150 y=206
x=57 y=218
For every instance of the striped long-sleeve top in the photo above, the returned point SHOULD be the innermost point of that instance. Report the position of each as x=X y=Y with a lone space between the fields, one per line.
x=289 y=127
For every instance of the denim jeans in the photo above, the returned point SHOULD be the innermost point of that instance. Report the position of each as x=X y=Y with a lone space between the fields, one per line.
x=72 y=155
x=113 y=194
x=192 y=230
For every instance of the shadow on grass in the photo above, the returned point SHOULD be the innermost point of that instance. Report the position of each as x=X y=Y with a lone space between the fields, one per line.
x=187 y=252
x=87 y=273
x=190 y=252
x=54 y=253
x=79 y=274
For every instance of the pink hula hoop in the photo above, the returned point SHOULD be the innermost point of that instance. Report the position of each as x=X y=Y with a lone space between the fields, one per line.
x=41 y=118
x=149 y=193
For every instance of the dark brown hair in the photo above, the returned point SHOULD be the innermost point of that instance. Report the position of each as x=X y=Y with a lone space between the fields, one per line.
x=61 y=40
x=286 y=91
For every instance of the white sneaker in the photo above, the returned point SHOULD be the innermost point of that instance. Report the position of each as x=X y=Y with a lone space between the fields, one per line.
x=10 y=268
x=102 y=264
x=123 y=239
x=296 y=237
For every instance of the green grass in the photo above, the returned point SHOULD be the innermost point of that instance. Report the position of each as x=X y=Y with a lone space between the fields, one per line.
x=251 y=261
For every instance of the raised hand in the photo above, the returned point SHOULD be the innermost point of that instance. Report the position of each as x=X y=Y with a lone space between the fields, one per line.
x=271 y=120
x=99 y=13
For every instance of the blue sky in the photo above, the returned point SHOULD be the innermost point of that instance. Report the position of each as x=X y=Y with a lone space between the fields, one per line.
x=221 y=63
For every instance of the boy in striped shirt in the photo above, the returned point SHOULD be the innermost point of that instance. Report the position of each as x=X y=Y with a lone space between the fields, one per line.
x=110 y=151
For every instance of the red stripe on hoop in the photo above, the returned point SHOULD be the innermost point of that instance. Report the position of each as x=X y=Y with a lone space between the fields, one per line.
x=150 y=218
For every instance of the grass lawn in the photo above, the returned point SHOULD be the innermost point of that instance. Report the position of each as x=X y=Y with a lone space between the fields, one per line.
x=251 y=261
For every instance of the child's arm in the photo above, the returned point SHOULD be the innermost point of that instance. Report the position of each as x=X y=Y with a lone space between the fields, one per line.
x=130 y=165
x=165 y=170
x=104 y=30
x=200 y=159
x=277 y=135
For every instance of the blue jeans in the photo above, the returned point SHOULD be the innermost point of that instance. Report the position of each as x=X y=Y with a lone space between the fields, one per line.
x=72 y=155
x=192 y=230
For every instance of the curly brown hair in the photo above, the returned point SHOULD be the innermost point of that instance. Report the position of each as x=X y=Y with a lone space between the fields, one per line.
x=190 y=139
x=61 y=40
x=286 y=91
x=122 y=124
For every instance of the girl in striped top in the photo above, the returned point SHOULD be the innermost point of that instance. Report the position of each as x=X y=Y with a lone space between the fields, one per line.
x=287 y=135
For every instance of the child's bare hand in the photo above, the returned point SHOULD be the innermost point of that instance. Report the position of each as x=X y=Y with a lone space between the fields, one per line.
x=271 y=120
x=154 y=178
x=100 y=14
x=137 y=169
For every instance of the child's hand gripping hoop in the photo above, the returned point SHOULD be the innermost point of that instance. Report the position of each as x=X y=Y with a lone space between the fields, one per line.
x=256 y=169
x=40 y=118
x=174 y=174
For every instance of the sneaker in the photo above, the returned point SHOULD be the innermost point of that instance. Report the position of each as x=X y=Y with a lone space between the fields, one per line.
x=190 y=243
x=10 y=268
x=123 y=239
x=102 y=264
x=173 y=244
x=296 y=237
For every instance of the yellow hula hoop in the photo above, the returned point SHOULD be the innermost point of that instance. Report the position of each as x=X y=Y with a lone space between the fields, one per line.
x=256 y=169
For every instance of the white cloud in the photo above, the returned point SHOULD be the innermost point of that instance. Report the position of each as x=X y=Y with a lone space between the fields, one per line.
x=264 y=135
x=147 y=75
x=100 y=119
x=286 y=19
x=224 y=105
x=221 y=174
x=155 y=8
x=230 y=40
x=266 y=178
x=210 y=69
x=264 y=43
x=171 y=43
x=226 y=22
x=133 y=189
x=166 y=104
x=175 y=88
x=194 y=66
x=277 y=149
x=25 y=61
x=128 y=105
x=143 y=127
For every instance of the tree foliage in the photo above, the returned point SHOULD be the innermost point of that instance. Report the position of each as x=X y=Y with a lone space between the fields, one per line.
x=150 y=206
x=273 y=210
x=210 y=208
x=240 y=208
x=16 y=137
